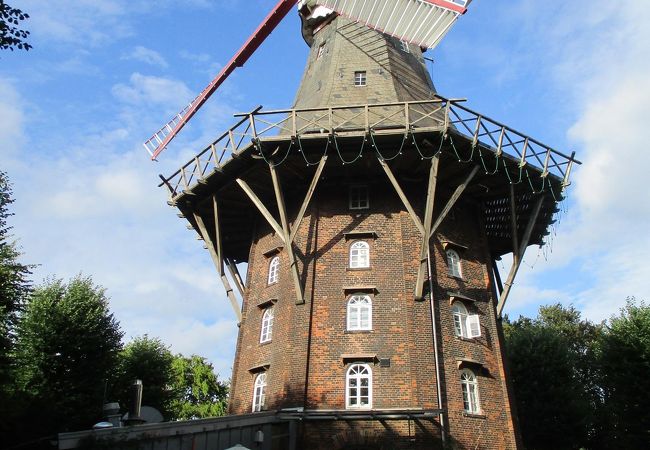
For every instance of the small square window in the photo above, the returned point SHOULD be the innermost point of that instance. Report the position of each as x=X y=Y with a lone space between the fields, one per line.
x=321 y=50
x=405 y=46
x=360 y=78
x=359 y=197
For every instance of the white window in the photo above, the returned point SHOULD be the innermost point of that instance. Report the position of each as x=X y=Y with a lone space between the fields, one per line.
x=360 y=312
x=359 y=255
x=453 y=263
x=465 y=325
x=360 y=78
x=358 y=387
x=259 y=392
x=405 y=46
x=321 y=50
x=470 y=392
x=359 y=197
x=267 y=325
x=274 y=265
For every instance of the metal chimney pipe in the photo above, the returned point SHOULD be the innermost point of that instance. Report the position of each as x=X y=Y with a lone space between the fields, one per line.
x=136 y=404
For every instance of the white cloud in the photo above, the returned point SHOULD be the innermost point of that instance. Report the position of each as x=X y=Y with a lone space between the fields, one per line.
x=153 y=90
x=148 y=56
x=603 y=68
x=13 y=118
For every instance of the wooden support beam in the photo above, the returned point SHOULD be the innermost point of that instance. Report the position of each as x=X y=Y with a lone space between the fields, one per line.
x=217 y=233
x=516 y=261
x=293 y=267
x=513 y=218
x=218 y=262
x=428 y=215
x=452 y=201
x=234 y=274
x=402 y=196
x=305 y=203
x=260 y=206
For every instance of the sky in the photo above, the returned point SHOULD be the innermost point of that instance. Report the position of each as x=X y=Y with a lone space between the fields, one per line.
x=105 y=74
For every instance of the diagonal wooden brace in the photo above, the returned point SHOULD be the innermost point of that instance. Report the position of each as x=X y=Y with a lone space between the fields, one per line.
x=518 y=255
x=452 y=201
x=428 y=215
x=218 y=262
x=293 y=267
x=262 y=209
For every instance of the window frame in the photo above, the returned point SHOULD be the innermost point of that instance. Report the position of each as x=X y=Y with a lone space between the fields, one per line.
x=360 y=247
x=466 y=325
x=259 y=392
x=360 y=78
x=454 y=266
x=321 y=51
x=274 y=270
x=358 y=197
x=470 y=392
x=356 y=299
x=266 y=330
x=357 y=377
x=404 y=46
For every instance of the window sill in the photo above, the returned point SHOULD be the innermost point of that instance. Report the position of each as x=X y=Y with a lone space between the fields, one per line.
x=266 y=342
x=358 y=331
x=474 y=415
x=467 y=339
x=357 y=269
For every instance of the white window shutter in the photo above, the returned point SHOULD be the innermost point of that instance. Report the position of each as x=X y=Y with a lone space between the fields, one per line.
x=473 y=326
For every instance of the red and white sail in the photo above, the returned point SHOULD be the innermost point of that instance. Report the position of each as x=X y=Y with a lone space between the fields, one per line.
x=420 y=22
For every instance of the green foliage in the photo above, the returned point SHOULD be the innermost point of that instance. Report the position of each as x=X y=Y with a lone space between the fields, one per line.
x=11 y=34
x=14 y=288
x=68 y=343
x=199 y=393
x=149 y=360
x=625 y=363
x=552 y=403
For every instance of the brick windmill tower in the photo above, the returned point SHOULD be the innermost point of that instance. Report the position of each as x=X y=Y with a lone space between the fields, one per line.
x=370 y=215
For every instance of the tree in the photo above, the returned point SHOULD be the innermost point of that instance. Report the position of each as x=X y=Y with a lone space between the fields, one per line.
x=11 y=34
x=551 y=403
x=14 y=288
x=199 y=393
x=625 y=364
x=149 y=360
x=67 y=346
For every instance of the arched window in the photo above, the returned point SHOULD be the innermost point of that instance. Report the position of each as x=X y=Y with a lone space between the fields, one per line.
x=470 y=392
x=360 y=312
x=274 y=266
x=465 y=325
x=453 y=262
x=267 y=325
x=359 y=255
x=358 y=387
x=459 y=314
x=259 y=392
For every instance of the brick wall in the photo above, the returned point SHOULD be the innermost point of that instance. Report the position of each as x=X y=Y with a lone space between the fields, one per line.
x=305 y=359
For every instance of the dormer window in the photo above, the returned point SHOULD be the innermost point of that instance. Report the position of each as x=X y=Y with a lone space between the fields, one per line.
x=359 y=197
x=404 y=46
x=360 y=78
x=321 y=51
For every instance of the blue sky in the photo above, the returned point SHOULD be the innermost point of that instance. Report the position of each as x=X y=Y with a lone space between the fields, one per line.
x=105 y=74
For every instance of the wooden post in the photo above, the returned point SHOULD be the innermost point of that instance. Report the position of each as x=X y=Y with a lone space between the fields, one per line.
x=452 y=201
x=305 y=202
x=285 y=231
x=260 y=206
x=516 y=261
x=402 y=196
x=513 y=219
x=218 y=262
x=428 y=215
x=234 y=274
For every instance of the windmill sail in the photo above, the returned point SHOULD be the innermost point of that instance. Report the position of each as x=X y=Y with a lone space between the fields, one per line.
x=420 y=22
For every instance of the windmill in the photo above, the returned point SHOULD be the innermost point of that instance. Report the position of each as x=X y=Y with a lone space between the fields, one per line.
x=370 y=215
